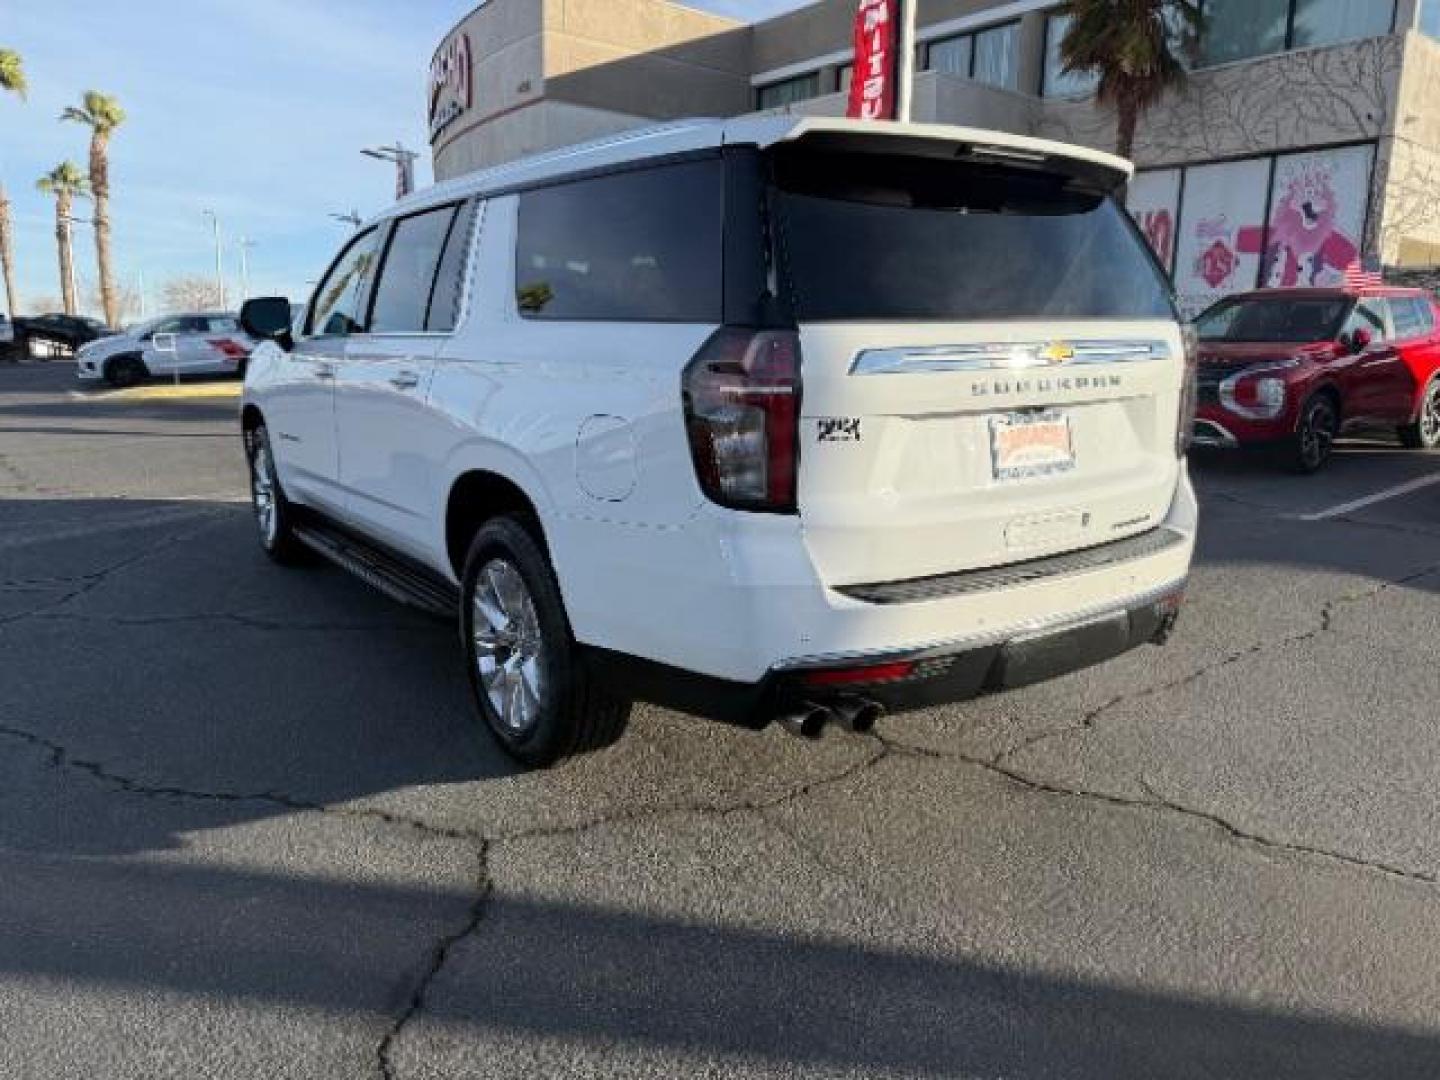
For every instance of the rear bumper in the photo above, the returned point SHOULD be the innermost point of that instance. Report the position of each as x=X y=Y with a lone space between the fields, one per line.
x=906 y=679
x=737 y=600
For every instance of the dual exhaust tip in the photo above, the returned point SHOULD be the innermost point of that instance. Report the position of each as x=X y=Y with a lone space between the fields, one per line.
x=809 y=720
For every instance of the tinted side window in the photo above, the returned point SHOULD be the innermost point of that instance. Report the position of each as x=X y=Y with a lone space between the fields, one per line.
x=335 y=308
x=642 y=246
x=450 y=280
x=402 y=296
x=223 y=326
x=1408 y=318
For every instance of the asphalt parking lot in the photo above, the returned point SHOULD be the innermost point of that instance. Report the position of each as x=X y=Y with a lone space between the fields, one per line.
x=247 y=828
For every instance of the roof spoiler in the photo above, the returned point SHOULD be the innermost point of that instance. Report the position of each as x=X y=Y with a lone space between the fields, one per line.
x=1101 y=171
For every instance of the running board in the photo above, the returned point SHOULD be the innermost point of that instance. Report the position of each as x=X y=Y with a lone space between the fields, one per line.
x=387 y=573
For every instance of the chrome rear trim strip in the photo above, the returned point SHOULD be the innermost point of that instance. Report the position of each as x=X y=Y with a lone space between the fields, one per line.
x=1005 y=356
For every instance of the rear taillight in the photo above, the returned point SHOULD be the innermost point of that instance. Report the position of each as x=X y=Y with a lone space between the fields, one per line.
x=1189 y=392
x=742 y=413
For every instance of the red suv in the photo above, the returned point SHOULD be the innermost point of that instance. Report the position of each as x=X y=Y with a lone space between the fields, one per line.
x=1291 y=368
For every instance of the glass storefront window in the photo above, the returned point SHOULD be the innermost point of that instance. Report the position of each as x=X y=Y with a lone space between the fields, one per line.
x=997 y=56
x=800 y=88
x=1326 y=22
x=1240 y=29
x=1430 y=18
x=1058 y=82
x=843 y=78
x=953 y=55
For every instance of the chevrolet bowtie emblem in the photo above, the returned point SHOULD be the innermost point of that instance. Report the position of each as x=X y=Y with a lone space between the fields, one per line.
x=1058 y=352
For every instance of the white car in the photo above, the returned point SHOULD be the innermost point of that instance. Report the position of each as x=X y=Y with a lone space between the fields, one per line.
x=761 y=419
x=202 y=343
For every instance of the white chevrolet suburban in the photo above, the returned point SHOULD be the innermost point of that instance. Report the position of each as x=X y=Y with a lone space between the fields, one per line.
x=762 y=419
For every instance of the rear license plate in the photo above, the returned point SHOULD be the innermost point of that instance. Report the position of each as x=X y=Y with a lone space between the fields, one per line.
x=1025 y=445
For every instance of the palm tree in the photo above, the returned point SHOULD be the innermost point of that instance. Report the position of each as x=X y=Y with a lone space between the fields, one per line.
x=102 y=114
x=1137 y=48
x=66 y=182
x=12 y=78
x=12 y=72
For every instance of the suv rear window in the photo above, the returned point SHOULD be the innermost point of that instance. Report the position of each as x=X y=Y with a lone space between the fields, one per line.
x=638 y=246
x=885 y=236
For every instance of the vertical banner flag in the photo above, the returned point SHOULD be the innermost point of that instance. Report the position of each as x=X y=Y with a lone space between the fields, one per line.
x=873 y=83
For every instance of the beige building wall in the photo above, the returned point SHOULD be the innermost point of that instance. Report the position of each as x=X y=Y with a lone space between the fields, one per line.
x=542 y=125
x=543 y=69
x=508 y=70
x=648 y=58
x=1313 y=97
x=1408 y=175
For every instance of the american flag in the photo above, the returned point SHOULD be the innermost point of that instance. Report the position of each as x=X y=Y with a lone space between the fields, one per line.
x=1364 y=274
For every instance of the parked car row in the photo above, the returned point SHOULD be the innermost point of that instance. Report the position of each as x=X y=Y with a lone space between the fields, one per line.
x=53 y=330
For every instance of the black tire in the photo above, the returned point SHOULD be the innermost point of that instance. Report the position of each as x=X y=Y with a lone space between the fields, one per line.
x=552 y=707
x=1314 y=440
x=273 y=517
x=1424 y=434
x=126 y=370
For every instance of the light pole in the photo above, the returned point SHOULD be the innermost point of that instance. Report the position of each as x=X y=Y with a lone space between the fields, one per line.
x=71 y=219
x=244 y=244
x=906 y=96
x=352 y=219
x=404 y=161
x=219 y=256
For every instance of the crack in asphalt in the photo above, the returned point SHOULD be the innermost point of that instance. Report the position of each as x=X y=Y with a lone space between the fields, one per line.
x=60 y=758
x=1156 y=801
x=1326 y=625
x=85 y=583
x=439 y=954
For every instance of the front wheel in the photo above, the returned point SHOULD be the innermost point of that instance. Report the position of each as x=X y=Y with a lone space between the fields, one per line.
x=124 y=371
x=1314 y=439
x=272 y=512
x=529 y=681
x=1424 y=434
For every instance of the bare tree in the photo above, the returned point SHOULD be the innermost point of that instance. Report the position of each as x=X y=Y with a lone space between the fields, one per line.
x=127 y=300
x=191 y=292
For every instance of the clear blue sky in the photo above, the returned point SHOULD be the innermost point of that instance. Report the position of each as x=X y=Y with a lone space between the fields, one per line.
x=254 y=108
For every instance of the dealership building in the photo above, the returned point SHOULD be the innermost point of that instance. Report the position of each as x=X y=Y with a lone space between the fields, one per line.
x=1306 y=140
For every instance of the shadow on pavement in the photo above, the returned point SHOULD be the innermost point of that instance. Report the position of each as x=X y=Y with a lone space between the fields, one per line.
x=641 y=983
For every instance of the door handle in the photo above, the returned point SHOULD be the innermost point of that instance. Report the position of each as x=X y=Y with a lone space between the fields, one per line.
x=405 y=380
x=324 y=371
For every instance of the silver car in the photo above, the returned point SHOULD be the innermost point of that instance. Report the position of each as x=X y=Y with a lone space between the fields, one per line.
x=202 y=343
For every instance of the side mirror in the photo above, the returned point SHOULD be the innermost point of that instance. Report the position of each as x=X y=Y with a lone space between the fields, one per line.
x=268 y=319
x=1359 y=341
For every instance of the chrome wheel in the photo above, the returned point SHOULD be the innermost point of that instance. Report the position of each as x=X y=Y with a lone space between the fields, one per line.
x=1430 y=416
x=508 y=647
x=263 y=489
